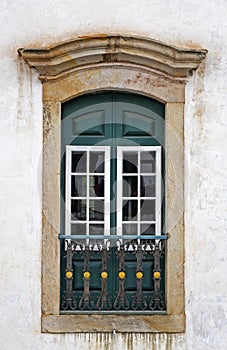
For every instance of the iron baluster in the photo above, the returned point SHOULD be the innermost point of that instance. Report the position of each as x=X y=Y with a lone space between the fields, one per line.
x=139 y=301
x=121 y=301
x=69 y=299
x=157 y=300
x=104 y=300
x=86 y=301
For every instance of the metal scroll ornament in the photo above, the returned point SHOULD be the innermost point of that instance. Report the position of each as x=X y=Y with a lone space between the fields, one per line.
x=139 y=301
x=121 y=301
x=86 y=302
x=157 y=301
x=69 y=297
x=104 y=300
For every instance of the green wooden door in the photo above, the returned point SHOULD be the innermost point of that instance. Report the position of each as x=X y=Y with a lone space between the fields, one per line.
x=111 y=122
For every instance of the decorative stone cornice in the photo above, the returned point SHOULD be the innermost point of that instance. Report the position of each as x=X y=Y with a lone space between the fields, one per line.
x=61 y=59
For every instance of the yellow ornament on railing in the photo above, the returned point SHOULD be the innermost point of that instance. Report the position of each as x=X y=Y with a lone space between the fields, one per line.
x=157 y=274
x=87 y=275
x=104 y=275
x=69 y=274
x=121 y=275
x=139 y=275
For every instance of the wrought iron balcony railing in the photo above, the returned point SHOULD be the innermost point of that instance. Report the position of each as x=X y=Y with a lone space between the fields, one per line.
x=113 y=274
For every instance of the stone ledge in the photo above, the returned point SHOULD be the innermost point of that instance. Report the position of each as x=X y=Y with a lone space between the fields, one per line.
x=113 y=323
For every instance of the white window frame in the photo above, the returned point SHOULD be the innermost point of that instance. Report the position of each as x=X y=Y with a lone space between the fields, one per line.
x=158 y=175
x=106 y=174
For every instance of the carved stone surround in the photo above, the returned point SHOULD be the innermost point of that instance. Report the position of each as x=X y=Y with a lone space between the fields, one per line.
x=120 y=63
x=61 y=59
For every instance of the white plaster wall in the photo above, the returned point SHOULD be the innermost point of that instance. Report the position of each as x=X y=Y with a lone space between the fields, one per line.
x=191 y=22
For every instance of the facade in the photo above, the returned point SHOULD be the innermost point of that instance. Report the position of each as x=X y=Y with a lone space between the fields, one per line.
x=129 y=53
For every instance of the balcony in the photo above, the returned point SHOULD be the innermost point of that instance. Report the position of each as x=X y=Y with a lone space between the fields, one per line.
x=113 y=274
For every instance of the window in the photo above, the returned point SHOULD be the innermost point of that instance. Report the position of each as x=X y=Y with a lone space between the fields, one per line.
x=110 y=258
x=127 y=64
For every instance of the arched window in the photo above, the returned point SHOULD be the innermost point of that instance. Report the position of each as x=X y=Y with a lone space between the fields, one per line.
x=133 y=65
x=112 y=180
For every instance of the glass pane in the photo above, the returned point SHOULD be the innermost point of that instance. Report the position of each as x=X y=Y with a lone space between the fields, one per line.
x=147 y=162
x=79 y=161
x=147 y=229
x=96 y=162
x=96 y=229
x=130 y=162
x=78 y=229
x=130 y=209
x=78 y=186
x=78 y=209
x=130 y=186
x=147 y=186
x=96 y=186
x=130 y=229
x=147 y=210
x=96 y=210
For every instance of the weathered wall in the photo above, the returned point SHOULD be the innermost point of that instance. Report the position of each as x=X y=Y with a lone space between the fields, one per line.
x=193 y=22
